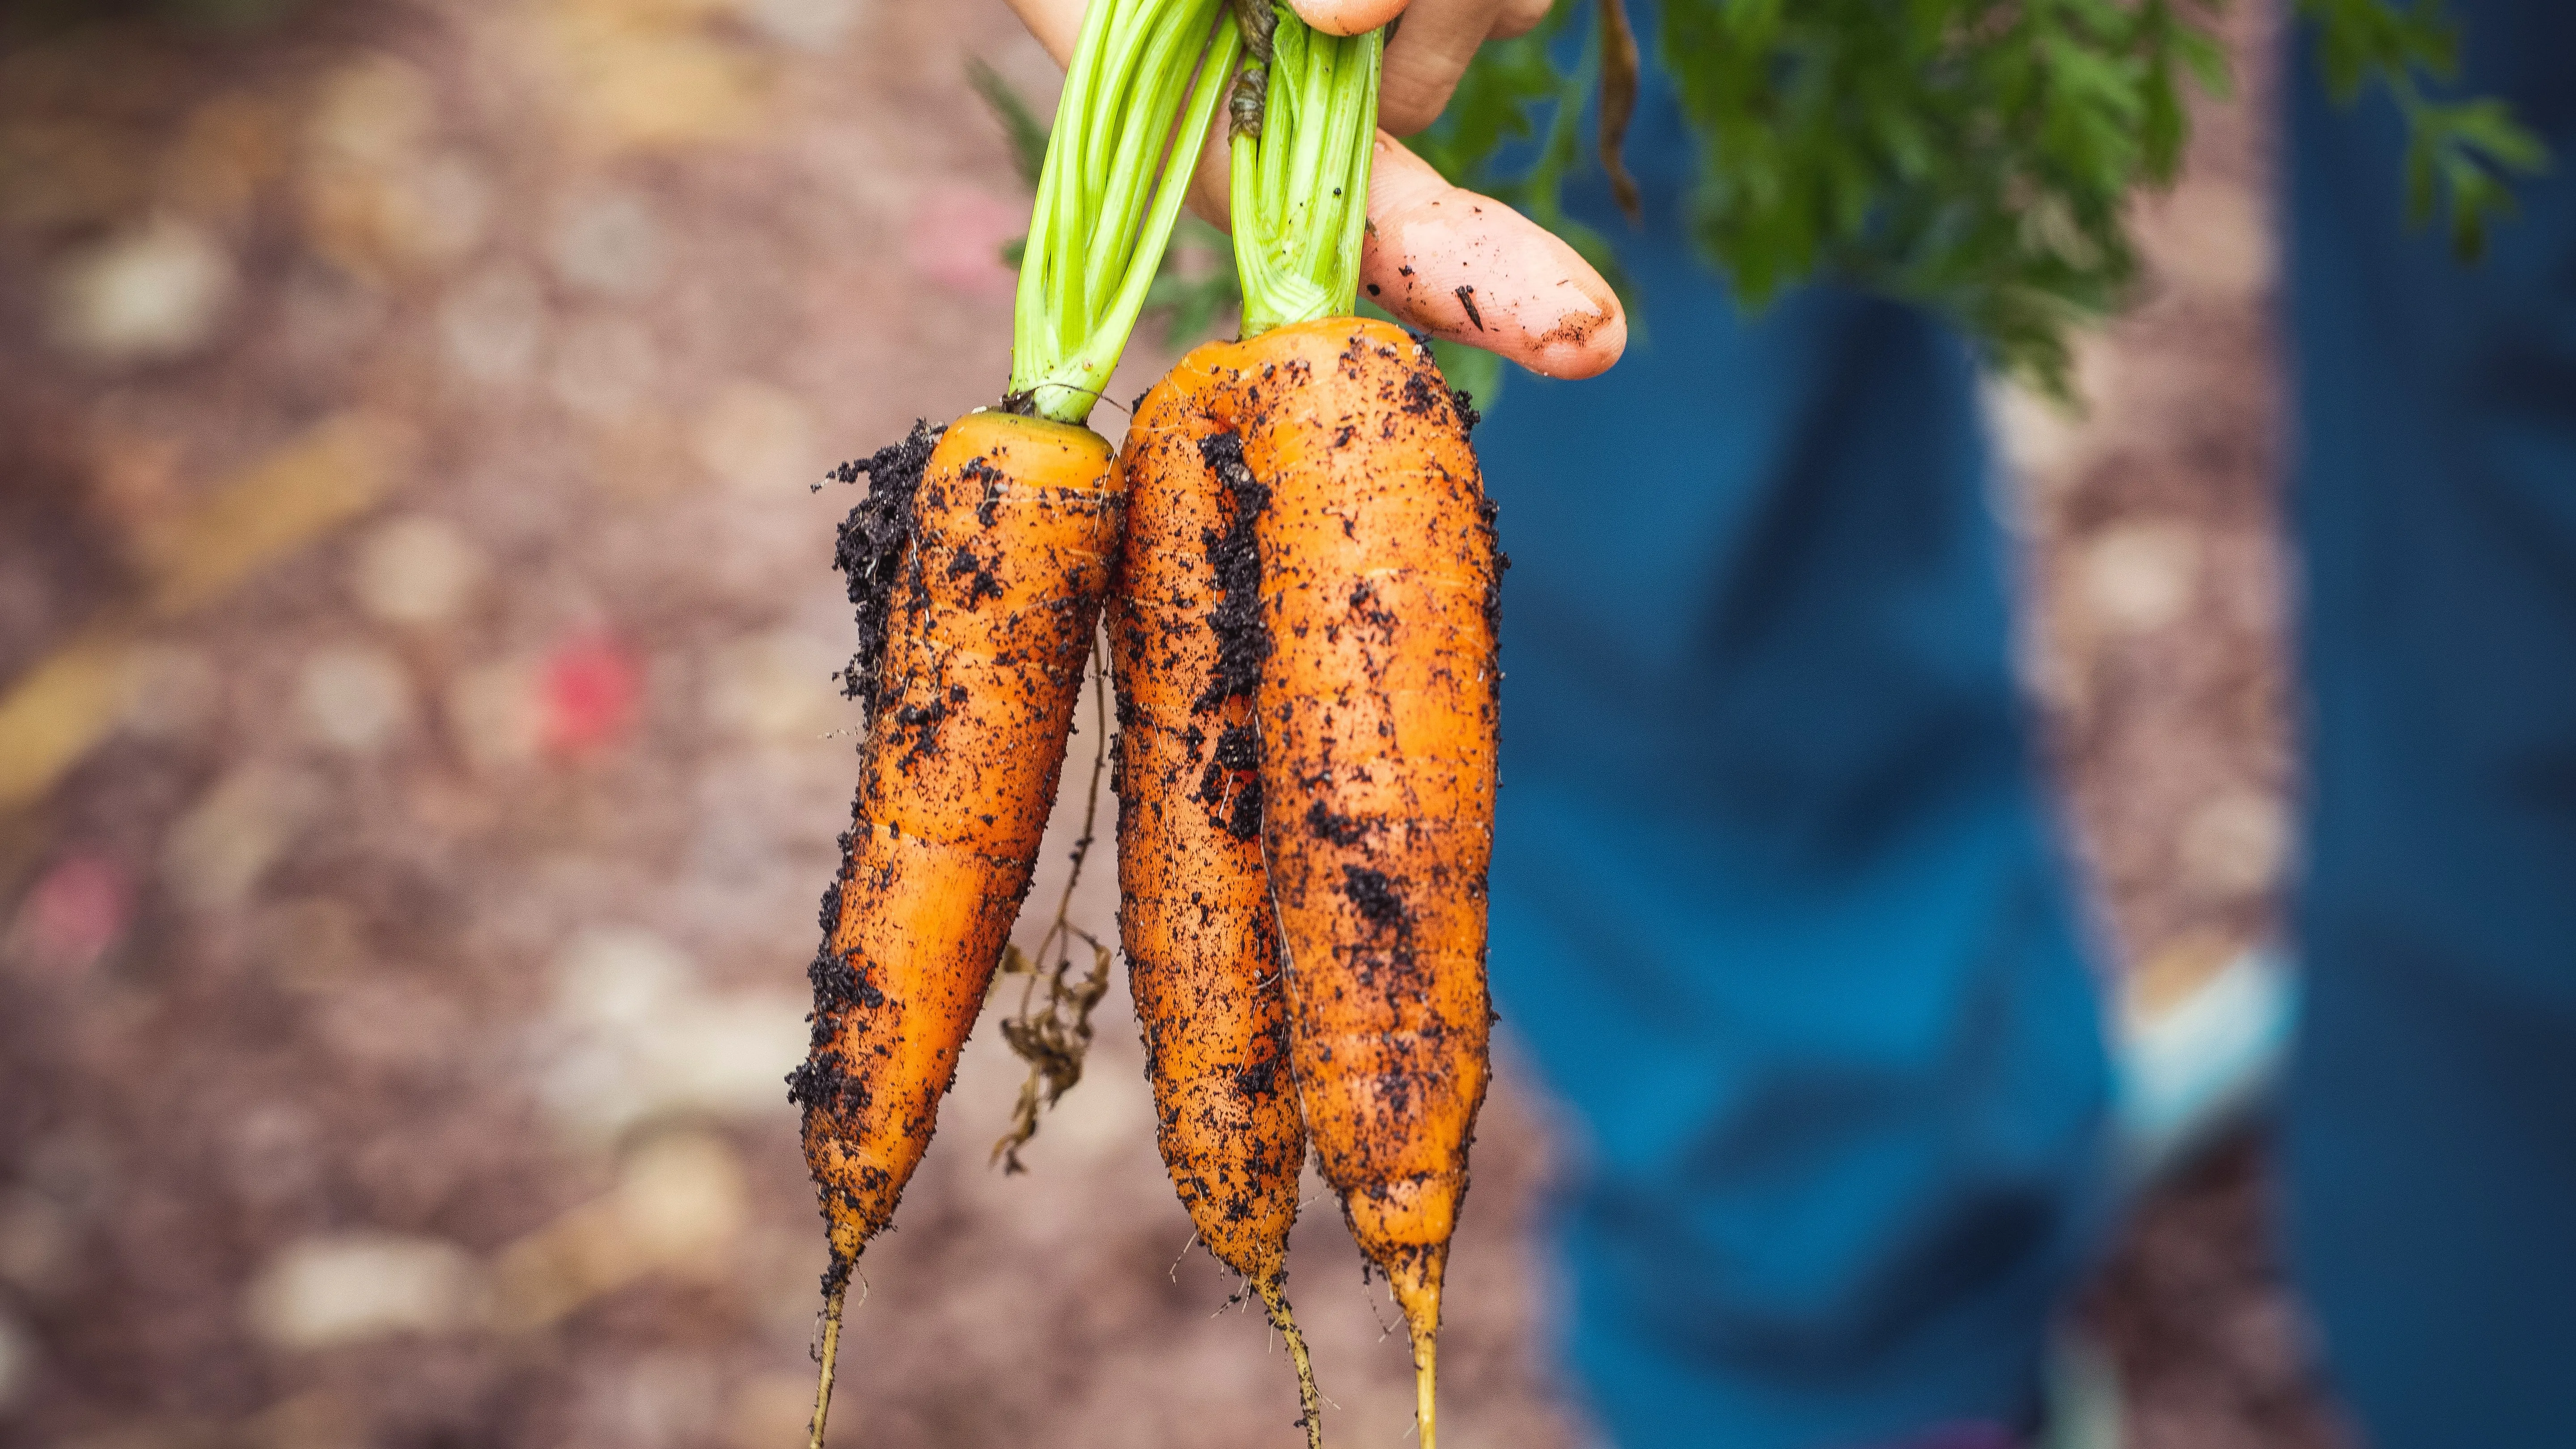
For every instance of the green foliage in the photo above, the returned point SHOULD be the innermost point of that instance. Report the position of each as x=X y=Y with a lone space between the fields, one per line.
x=1020 y=125
x=1146 y=79
x=1976 y=156
x=2458 y=152
x=1193 y=285
x=1301 y=148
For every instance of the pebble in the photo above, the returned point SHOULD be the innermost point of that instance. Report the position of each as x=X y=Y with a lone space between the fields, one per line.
x=648 y=76
x=314 y=1420
x=495 y=715
x=345 y=1288
x=815 y=26
x=372 y=110
x=493 y=324
x=2215 y=240
x=393 y=1024
x=616 y=978
x=778 y=688
x=450 y=207
x=312 y=943
x=2040 y=440
x=611 y=244
x=680 y=1206
x=326 y=314
x=149 y=295
x=682 y=1200
x=2139 y=577
x=416 y=570
x=665 y=1400
x=218 y=851
x=230 y=147
x=604 y=367
x=355 y=697
x=171 y=692
x=632 y=1037
x=755 y=436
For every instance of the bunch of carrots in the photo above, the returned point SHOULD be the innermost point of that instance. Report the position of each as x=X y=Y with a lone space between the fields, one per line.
x=1298 y=567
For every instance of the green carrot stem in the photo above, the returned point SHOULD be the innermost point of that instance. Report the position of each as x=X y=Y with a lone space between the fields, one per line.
x=1145 y=82
x=1300 y=187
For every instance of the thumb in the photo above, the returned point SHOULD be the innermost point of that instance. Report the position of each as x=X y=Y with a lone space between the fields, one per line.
x=1347 y=17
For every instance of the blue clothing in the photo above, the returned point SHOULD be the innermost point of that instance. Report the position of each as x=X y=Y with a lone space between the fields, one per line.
x=1776 y=908
x=2431 y=1128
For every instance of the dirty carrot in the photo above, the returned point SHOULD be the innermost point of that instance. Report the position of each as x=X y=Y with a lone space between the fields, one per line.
x=1378 y=728
x=1375 y=706
x=1194 y=906
x=977 y=565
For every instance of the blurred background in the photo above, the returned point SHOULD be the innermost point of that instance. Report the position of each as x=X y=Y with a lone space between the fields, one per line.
x=419 y=757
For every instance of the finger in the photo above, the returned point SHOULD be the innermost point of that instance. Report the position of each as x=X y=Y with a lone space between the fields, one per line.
x=1212 y=180
x=1347 y=17
x=1426 y=57
x=1519 y=18
x=1470 y=269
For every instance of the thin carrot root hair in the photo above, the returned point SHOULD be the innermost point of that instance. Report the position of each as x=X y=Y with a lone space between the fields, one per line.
x=828 y=1355
x=1274 y=1301
x=1054 y=1036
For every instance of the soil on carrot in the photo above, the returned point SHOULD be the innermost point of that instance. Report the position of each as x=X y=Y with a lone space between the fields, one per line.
x=876 y=541
x=1243 y=640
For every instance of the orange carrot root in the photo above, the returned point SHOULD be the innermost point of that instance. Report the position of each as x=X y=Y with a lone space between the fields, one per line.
x=1194 y=909
x=979 y=588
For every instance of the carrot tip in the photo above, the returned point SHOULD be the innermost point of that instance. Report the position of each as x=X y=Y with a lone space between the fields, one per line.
x=828 y=1356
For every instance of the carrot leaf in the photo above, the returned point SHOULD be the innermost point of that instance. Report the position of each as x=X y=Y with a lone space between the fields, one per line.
x=1304 y=130
x=1146 y=78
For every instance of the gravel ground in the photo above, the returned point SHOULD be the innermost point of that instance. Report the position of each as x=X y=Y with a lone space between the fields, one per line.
x=419 y=761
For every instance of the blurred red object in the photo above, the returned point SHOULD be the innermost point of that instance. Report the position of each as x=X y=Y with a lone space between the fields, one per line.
x=589 y=691
x=76 y=912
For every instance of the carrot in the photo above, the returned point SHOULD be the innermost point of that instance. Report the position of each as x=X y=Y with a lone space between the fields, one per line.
x=1376 y=704
x=986 y=575
x=1194 y=907
x=1378 y=731
x=978 y=564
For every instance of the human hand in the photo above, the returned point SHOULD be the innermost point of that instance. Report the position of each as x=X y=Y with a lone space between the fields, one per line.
x=1449 y=262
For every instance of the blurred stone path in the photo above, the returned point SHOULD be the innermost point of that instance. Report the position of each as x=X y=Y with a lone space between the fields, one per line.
x=419 y=759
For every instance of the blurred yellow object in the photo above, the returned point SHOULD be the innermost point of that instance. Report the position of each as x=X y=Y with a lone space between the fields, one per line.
x=328 y=477
x=678 y=1207
x=55 y=714
x=642 y=76
x=379 y=195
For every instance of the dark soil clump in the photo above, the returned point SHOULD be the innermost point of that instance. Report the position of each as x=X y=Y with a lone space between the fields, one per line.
x=1374 y=892
x=1242 y=640
x=873 y=543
